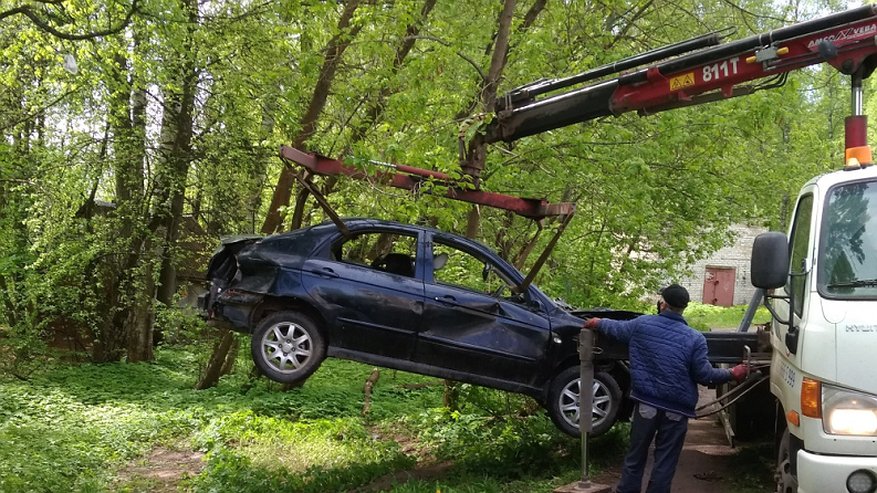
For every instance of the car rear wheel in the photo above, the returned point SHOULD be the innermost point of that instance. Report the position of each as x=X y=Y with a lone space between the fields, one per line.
x=563 y=402
x=287 y=347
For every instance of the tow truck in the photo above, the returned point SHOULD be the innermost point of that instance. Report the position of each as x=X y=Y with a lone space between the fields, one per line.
x=819 y=282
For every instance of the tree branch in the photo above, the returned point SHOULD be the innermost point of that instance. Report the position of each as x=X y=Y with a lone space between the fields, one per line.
x=47 y=27
x=459 y=53
x=34 y=113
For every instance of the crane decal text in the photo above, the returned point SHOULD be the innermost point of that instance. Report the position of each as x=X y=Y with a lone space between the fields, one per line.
x=720 y=70
x=851 y=33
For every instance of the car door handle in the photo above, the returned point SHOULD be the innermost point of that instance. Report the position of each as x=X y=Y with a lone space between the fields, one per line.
x=446 y=299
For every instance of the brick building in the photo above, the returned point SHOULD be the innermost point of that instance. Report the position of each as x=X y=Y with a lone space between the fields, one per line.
x=723 y=279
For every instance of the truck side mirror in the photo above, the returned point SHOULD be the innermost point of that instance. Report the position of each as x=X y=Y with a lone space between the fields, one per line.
x=769 y=267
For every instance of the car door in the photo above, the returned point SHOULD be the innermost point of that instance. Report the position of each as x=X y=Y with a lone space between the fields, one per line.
x=367 y=288
x=472 y=322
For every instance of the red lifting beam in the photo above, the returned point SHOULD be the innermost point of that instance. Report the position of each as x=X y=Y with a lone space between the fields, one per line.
x=410 y=178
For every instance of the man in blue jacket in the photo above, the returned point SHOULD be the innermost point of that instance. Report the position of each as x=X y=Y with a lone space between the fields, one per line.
x=667 y=361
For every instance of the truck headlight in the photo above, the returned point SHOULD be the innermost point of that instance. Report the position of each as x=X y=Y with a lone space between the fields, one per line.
x=845 y=412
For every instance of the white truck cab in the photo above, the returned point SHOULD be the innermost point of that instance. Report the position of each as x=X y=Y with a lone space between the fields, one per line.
x=824 y=356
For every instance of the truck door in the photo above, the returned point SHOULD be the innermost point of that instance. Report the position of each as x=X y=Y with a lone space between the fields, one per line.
x=801 y=260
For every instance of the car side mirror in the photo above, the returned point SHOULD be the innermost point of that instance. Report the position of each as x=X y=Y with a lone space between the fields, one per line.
x=769 y=266
x=485 y=272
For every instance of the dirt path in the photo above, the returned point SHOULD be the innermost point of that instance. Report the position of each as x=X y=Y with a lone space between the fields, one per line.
x=703 y=465
x=161 y=471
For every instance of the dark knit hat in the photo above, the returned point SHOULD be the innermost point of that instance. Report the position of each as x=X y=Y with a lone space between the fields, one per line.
x=675 y=296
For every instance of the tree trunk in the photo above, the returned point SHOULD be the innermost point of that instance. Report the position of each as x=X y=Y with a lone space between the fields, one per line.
x=230 y=358
x=127 y=122
x=375 y=106
x=177 y=156
x=334 y=50
x=141 y=313
x=475 y=151
x=217 y=361
x=367 y=390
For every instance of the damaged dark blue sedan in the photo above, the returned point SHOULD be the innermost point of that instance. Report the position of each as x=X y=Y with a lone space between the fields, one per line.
x=406 y=297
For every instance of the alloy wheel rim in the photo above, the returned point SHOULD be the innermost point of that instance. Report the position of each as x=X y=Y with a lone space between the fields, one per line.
x=286 y=347
x=568 y=402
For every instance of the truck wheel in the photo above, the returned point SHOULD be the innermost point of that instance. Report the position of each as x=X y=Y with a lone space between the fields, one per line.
x=786 y=481
x=563 y=402
x=287 y=347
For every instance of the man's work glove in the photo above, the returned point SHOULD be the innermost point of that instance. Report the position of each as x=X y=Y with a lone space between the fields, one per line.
x=740 y=372
x=592 y=323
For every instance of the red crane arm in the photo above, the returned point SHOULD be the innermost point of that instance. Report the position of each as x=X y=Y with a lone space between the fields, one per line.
x=846 y=48
x=695 y=71
x=846 y=40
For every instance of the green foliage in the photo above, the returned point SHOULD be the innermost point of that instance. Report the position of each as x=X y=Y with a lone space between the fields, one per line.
x=181 y=325
x=276 y=454
x=72 y=428
x=488 y=444
x=705 y=317
x=755 y=463
x=653 y=194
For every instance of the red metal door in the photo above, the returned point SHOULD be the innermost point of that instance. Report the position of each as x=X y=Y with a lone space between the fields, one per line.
x=718 y=286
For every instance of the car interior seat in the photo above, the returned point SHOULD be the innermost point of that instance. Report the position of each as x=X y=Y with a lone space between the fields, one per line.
x=395 y=263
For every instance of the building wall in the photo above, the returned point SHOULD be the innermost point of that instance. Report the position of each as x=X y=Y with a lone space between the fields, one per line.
x=736 y=256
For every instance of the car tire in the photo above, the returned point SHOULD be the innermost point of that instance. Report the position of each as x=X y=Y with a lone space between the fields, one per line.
x=287 y=347
x=563 y=402
x=786 y=482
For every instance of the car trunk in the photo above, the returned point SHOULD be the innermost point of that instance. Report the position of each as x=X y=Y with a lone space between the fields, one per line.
x=223 y=267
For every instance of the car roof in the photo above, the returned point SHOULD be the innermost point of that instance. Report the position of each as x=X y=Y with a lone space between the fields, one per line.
x=328 y=227
x=356 y=223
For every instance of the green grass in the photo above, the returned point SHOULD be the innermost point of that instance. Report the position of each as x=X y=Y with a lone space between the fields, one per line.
x=755 y=466
x=75 y=427
x=706 y=317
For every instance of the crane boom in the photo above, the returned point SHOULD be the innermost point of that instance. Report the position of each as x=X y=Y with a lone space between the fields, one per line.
x=846 y=40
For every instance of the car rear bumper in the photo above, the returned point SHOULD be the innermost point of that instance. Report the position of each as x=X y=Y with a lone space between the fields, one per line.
x=229 y=309
x=821 y=473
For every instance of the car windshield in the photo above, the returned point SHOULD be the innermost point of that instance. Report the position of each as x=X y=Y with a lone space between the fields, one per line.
x=848 y=251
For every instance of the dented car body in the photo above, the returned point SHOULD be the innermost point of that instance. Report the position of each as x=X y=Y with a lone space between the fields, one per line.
x=406 y=297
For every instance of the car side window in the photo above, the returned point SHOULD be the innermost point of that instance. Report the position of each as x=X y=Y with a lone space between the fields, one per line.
x=394 y=253
x=463 y=269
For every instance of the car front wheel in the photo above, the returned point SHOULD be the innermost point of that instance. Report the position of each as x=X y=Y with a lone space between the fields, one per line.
x=287 y=347
x=786 y=481
x=563 y=402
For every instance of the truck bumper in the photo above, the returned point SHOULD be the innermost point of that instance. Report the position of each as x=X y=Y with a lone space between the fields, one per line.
x=823 y=473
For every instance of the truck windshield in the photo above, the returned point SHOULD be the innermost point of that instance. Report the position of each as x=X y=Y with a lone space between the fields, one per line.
x=848 y=250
